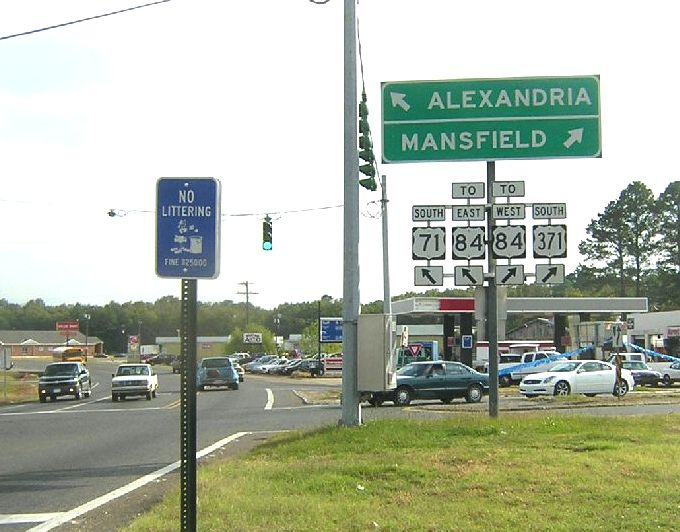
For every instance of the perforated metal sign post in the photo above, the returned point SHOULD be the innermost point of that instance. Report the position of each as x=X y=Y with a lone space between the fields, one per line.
x=188 y=406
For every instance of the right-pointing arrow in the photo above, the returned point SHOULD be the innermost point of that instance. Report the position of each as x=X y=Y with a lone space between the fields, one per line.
x=511 y=273
x=552 y=272
x=575 y=135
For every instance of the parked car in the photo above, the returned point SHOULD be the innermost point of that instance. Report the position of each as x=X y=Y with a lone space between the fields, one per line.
x=271 y=367
x=313 y=366
x=642 y=373
x=435 y=379
x=288 y=368
x=134 y=380
x=217 y=371
x=670 y=374
x=239 y=369
x=161 y=359
x=259 y=361
x=64 y=378
x=588 y=377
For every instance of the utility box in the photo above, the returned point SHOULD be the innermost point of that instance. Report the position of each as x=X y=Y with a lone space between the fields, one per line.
x=377 y=361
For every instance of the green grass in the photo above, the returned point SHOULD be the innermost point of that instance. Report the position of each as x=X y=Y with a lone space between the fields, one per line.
x=529 y=472
x=21 y=387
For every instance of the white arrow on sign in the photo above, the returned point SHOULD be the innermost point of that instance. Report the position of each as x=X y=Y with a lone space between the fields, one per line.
x=575 y=135
x=399 y=100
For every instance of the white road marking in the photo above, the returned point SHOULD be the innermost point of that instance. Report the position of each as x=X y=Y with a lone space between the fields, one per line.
x=270 y=399
x=18 y=519
x=65 y=517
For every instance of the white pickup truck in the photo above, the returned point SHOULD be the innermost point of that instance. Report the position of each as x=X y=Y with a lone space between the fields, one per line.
x=540 y=360
x=134 y=380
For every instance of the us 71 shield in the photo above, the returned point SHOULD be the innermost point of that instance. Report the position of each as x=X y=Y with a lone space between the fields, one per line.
x=428 y=243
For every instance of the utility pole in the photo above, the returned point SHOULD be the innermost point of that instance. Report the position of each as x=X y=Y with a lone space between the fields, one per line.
x=247 y=294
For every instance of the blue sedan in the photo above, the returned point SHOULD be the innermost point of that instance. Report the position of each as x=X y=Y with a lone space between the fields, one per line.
x=435 y=379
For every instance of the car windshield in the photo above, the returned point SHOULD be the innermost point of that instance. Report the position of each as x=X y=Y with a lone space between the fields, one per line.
x=216 y=363
x=631 y=364
x=566 y=366
x=413 y=370
x=132 y=370
x=61 y=369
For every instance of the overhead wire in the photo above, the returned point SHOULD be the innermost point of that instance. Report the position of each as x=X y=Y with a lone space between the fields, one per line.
x=63 y=24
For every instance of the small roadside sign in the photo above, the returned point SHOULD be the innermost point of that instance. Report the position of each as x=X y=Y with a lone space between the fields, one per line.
x=468 y=275
x=508 y=211
x=330 y=330
x=428 y=243
x=549 y=274
x=188 y=227
x=468 y=243
x=466 y=341
x=550 y=241
x=507 y=189
x=509 y=241
x=428 y=276
x=546 y=211
x=509 y=274
x=467 y=190
x=428 y=213
x=468 y=213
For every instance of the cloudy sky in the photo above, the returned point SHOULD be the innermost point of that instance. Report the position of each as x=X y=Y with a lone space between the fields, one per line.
x=251 y=93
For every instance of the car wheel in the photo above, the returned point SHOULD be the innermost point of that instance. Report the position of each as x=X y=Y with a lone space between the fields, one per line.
x=201 y=387
x=667 y=380
x=148 y=396
x=505 y=380
x=234 y=386
x=562 y=388
x=620 y=388
x=446 y=400
x=78 y=393
x=153 y=394
x=530 y=395
x=403 y=396
x=53 y=398
x=474 y=394
x=590 y=394
x=42 y=399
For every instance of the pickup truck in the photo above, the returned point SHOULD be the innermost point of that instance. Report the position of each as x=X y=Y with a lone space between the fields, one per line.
x=134 y=380
x=511 y=367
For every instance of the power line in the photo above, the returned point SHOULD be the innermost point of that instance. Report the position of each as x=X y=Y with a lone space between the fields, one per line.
x=82 y=20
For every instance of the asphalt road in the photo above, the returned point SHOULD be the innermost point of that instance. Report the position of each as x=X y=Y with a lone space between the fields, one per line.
x=58 y=456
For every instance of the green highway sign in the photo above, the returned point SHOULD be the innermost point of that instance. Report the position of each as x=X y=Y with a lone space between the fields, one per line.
x=491 y=119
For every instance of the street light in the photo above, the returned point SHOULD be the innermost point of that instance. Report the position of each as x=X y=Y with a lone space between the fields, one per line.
x=87 y=334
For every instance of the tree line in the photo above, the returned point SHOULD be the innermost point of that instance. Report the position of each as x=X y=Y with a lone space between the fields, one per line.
x=632 y=248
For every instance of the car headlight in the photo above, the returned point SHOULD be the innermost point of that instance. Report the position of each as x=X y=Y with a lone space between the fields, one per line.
x=549 y=379
x=115 y=384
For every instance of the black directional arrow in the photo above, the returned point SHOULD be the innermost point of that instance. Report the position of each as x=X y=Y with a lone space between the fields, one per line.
x=466 y=273
x=552 y=272
x=426 y=274
x=511 y=273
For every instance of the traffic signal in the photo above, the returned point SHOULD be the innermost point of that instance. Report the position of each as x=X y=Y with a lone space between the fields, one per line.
x=267 y=234
x=366 y=147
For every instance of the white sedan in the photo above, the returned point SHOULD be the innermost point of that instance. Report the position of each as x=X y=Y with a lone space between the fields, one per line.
x=589 y=377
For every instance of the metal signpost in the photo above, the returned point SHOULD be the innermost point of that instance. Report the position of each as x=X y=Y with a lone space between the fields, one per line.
x=187 y=247
x=491 y=119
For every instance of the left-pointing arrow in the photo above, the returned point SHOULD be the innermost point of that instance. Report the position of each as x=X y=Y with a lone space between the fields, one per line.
x=426 y=275
x=399 y=100
x=467 y=273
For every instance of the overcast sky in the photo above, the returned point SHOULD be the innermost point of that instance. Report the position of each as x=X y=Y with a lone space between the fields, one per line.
x=251 y=93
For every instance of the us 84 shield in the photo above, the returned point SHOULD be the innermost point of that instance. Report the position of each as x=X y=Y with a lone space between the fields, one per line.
x=428 y=243
x=468 y=243
x=509 y=241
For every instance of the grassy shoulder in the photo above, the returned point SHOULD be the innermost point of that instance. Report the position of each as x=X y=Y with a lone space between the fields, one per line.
x=18 y=387
x=528 y=472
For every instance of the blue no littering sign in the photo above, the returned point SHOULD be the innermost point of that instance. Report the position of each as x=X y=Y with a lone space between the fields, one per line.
x=188 y=227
